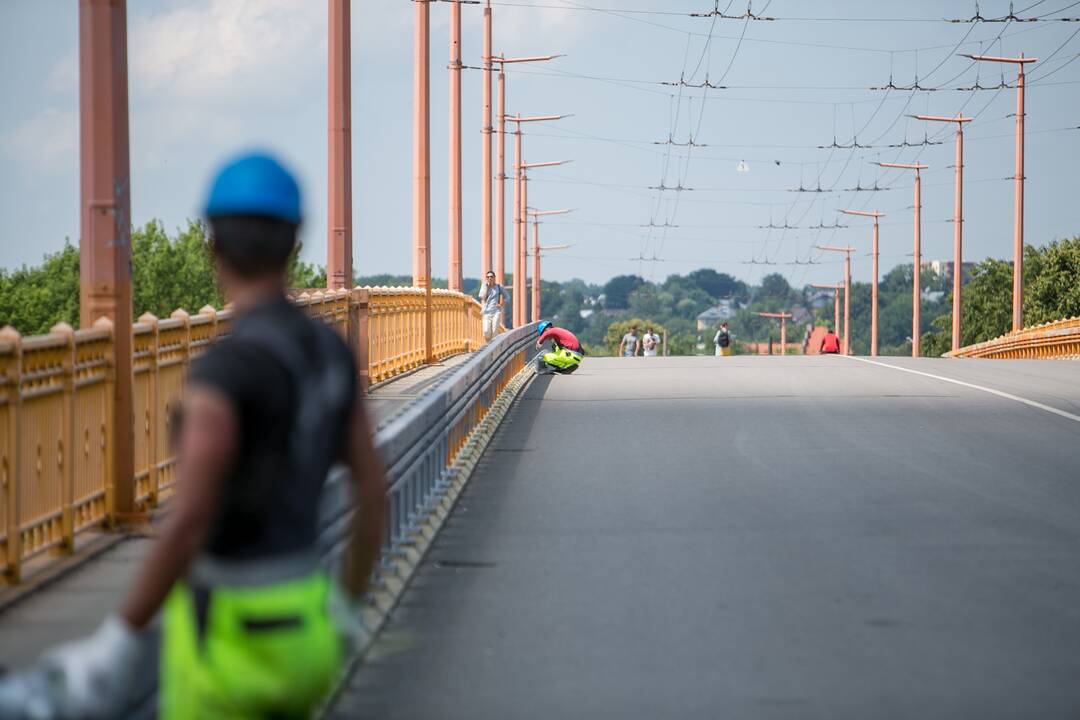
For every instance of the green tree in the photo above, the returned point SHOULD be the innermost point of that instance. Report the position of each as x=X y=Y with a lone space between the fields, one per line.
x=33 y=299
x=617 y=290
x=169 y=274
x=1052 y=291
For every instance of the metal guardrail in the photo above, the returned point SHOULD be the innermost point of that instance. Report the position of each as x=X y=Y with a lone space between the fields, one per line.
x=421 y=448
x=1058 y=339
x=56 y=393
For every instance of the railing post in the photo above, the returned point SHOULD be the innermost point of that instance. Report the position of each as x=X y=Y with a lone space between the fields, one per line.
x=151 y=418
x=109 y=431
x=359 y=336
x=10 y=468
x=65 y=457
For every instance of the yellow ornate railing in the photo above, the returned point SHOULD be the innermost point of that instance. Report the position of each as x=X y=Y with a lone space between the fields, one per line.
x=56 y=393
x=1058 y=339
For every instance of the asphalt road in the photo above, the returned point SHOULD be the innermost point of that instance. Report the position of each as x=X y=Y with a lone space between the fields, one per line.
x=755 y=537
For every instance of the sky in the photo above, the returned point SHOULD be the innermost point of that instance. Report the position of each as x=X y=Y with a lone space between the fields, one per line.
x=211 y=77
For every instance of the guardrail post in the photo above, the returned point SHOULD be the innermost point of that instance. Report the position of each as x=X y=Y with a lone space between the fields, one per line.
x=65 y=457
x=10 y=461
x=359 y=337
x=150 y=415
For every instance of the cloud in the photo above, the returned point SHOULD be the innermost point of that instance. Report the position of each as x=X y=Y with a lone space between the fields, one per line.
x=45 y=142
x=226 y=49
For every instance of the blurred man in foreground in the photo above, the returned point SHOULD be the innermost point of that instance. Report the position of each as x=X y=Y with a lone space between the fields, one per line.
x=246 y=606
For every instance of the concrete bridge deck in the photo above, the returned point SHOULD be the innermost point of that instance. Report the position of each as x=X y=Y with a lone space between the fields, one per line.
x=755 y=537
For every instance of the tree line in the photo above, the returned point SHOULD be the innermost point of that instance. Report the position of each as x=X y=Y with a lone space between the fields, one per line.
x=170 y=272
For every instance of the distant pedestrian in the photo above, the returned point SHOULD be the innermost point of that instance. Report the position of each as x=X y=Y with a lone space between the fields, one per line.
x=830 y=344
x=722 y=341
x=492 y=298
x=629 y=345
x=650 y=343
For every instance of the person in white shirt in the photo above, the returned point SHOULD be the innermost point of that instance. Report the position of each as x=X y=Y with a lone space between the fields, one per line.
x=492 y=297
x=629 y=345
x=722 y=341
x=650 y=343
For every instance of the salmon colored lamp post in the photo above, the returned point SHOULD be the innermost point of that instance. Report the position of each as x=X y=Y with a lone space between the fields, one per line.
x=1018 y=178
x=536 y=250
x=339 y=267
x=784 y=317
x=958 y=220
x=500 y=191
x=847 y=291
x=836 y=288
x=916 y=280
x=105 y=221
x=874 y=283
x=518 y=289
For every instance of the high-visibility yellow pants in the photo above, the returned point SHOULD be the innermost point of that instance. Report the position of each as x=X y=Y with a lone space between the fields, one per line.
x=268 y=651
x=563 y=360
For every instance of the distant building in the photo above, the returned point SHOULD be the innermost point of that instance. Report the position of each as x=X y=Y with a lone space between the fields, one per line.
x=820 y=298
x=586 y=313
x=944 y=268
x=932 y=295
x=712 y=317
x=799 y=314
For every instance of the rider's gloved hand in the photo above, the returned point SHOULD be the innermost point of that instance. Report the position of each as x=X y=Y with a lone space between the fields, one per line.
x=92 y=676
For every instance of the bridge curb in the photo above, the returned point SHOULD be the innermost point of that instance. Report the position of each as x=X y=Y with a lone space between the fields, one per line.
x=394 y=577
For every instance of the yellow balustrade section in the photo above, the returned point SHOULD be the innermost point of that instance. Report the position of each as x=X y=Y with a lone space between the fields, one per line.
x=1058 y=339
x=56 y=392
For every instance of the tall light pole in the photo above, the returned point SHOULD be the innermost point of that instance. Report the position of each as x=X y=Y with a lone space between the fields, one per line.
x=422 y=168
x=916 y=280
x=836 y=288
x=500 y=193
x=847 y=291
x=485 y=145
x=519 y=215
x=1018 y=228
x=522 y=235
x=958 y=220
x=874 y=285
x=536 y=215
x=784 y=317
x=339 y=265
x=453 y=234
x=105 y=219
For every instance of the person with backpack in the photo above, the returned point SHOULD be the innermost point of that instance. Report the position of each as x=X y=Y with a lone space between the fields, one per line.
x=252 y=624
x=722 y=341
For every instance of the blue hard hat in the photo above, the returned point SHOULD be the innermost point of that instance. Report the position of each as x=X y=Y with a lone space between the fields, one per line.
x=544 y=325
x=254 y=184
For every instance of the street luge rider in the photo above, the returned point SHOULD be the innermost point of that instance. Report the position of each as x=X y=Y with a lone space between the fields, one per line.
x=249 y=624
x=566 y=352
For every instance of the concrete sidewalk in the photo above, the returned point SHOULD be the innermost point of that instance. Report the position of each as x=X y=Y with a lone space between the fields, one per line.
x=73 y=604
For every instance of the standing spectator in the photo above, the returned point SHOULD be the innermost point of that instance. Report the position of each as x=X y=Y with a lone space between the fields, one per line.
x=830 y=344
x=629 y=345
x=650 y=342
x=722 y=341
x=492 y=296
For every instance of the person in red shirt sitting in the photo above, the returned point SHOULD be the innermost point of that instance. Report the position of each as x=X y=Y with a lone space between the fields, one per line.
x=566 y=353
x=830 y=344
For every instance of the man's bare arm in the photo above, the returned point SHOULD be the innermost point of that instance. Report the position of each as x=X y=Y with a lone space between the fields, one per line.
x=208 y=443
x=369 y=485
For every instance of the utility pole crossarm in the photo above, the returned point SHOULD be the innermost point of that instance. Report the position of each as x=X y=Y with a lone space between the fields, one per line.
x=941 y=118
x=774 y=315
x=535 y=118
x=535 y=58
x=864 y=213
x=903 y=166
x=992 y=58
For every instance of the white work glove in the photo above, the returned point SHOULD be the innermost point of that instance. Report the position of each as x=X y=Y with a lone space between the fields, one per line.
x=92 y=676
x=345 y=614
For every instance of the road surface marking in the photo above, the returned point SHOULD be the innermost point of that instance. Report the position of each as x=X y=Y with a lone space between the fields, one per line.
x=992 y=391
